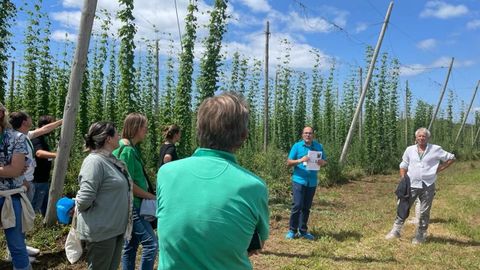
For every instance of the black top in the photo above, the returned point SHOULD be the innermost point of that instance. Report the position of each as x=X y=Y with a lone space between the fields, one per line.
x=169 y=149
x=44 y=165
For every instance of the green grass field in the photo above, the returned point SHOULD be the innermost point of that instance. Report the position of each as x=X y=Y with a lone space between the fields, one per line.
x=350 y=222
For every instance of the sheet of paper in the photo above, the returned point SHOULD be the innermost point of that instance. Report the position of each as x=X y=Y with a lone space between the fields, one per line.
x=313 y=157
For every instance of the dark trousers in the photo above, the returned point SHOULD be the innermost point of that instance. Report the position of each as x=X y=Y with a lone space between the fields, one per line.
x=302 y=201
x=105 y=255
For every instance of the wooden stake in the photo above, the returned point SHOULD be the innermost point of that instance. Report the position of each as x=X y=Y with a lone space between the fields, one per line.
x=70 y=110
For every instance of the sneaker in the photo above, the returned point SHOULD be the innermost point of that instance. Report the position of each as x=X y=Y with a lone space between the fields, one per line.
x=8 y=257
x=290 y=235
x=413 y=221
x=419 y=238
x=392 y=234
x=32 y=251
x=307 y=236
x=31 y=259
x=395 y=232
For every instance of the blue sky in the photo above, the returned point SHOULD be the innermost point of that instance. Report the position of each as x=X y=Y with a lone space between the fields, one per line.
x=423 y=35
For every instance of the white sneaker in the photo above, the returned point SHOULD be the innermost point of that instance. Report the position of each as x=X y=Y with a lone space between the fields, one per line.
x=31 y=259
x=392 y=234
x=413 y=221
x=8 y=257
x=32 y=251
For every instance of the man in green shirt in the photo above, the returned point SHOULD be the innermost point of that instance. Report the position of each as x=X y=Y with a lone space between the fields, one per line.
x=209 y=208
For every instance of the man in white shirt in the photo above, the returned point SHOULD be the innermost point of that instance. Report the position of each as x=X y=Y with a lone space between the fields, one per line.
x=421 y=162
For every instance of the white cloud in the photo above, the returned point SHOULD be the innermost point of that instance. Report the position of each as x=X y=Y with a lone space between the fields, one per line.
x=427 y=44
x=442 y=62
x=360 y=27
x=72 y=3
x=149 y=16
x=68 y=19
x=313 y=24
x=254 y=47
x=62 y=35
x=161 y=13
x=472 y=25
x=257 y=5
x=442 y=10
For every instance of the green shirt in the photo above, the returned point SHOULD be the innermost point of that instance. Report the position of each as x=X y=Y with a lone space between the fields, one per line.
x=133 y=159
x=208 y=208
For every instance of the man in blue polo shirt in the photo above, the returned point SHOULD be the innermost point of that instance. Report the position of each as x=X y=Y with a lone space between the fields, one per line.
x=304 y=183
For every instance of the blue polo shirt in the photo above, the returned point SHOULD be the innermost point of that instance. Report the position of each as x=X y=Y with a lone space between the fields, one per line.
x=300 y=174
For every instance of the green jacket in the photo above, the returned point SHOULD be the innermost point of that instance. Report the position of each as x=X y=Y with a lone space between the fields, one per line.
x=133 y=159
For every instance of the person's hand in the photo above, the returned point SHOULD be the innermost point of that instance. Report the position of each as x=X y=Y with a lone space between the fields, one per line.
x=254 y=252
x=321 y=162
x=304 y=159
x=151 y=196
x=71 y=212
x=26 y=184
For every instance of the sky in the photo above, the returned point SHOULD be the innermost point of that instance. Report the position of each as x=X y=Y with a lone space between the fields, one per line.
x=422 y=35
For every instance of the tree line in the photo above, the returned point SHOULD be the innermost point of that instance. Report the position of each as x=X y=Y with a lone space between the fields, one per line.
x=120 y=79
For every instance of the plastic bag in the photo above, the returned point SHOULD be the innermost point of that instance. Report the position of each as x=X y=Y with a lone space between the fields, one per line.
x=73 y=246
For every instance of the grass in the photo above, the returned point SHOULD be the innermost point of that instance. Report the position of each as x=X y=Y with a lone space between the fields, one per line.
x=349 y=222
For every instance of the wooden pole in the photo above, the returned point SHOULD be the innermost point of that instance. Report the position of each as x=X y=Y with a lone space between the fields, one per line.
x=12 y=86
x=360 y=114
x=265 y=114
x=466 y=115
x=406 y=115
x=365 y=85
x=441 y=95
x=157 y=78
x=70 y=109
x=476 y=136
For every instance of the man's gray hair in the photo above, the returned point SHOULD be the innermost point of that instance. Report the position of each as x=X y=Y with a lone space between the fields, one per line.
x=222 y=122
x=423 y=130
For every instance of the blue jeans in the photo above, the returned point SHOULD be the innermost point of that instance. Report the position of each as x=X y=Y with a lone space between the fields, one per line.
x=15 y=237
x=302 y=201
x=40 y=197
x=143 y=234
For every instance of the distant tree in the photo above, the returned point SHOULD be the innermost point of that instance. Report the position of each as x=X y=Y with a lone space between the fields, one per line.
x=45 y=68
x=99 y=60
x=126 y=59
x=7 y=13
x=183 y=97
x=111 y=87
x=300 y=114
x=209 y=64
x=30 y=62
x=329 y=109
x=235 y=70
x=317 y=82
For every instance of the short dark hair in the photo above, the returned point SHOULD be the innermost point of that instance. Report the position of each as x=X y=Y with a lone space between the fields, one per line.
x=17 y=118
x=222 y=122
x=170 y=131
x=45 y=120
x=98 y=134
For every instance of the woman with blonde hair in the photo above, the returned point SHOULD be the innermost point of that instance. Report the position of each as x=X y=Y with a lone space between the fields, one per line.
x=168 y=151
x=134 y=132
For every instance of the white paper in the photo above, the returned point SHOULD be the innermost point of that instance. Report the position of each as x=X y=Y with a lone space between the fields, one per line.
x=313 y=157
